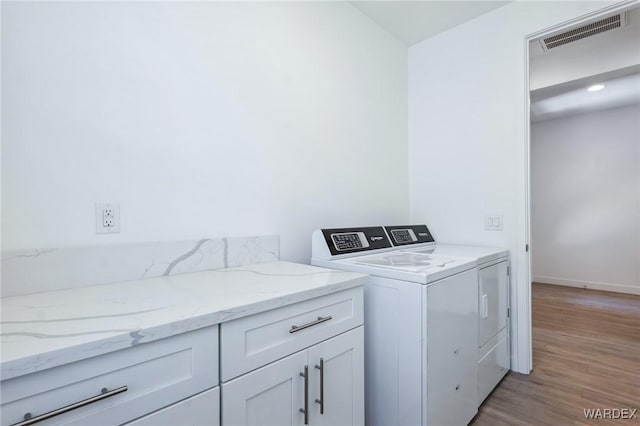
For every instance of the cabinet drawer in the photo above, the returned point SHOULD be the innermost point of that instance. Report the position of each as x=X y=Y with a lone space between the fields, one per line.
x=250 y=342
x=154 y=375
x=200 y=410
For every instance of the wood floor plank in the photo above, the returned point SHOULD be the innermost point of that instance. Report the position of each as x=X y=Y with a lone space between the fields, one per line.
x=586 y=354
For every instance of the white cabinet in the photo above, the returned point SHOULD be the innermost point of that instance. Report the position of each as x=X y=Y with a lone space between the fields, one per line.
x=337 y=380
x=256 y=340
x=200 y=410
x=493 y=326
x=298 y=364
x=326 y=381
x=320 y=385
x=270 y=396
x=452 y=333
x=116 y=387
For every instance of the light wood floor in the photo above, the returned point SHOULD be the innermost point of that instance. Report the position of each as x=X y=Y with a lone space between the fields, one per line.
x=586 y=354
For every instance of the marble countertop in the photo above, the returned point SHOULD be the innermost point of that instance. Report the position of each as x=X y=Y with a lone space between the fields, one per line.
x=44 y=330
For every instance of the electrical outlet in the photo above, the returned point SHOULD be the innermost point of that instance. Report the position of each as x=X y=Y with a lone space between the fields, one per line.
x=107 y=218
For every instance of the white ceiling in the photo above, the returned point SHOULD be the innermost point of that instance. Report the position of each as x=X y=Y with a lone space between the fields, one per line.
x=629 y=31
x=414 y=21
x=622 y=88
x=611 y=58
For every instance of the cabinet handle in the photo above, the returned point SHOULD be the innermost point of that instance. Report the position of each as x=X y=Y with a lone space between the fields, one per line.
x=305 y=410
x=457 y=387
x=28 y=420
x=320 y=320
x=321 y=399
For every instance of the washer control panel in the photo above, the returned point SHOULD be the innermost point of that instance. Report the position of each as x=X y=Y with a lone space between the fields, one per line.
x=349 y=240
x=409 y=234
x=353 y=240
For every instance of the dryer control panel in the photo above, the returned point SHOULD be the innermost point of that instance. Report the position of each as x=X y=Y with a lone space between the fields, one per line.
x=409 y=234
x=353 y=240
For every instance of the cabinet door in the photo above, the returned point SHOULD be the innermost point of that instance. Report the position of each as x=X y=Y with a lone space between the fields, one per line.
x=200 y=410
x=337 y=380
x=492 y=301
x=269 y=396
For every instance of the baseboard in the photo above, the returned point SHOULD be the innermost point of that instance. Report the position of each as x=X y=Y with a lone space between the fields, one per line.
x=618 y=288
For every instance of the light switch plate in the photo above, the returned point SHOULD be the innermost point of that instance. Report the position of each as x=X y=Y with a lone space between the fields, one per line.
x=493 y=223
x=107 y=218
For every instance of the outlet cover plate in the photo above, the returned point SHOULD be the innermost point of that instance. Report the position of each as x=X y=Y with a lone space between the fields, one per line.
x=107 y=218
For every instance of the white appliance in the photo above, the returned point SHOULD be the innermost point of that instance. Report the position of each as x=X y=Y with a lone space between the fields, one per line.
x=421 y=323
x=494 y=354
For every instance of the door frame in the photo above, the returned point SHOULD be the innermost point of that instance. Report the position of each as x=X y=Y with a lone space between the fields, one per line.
x=524 y=320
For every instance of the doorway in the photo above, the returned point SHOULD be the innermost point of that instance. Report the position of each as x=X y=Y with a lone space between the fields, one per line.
x=584 y=212
x=584 y=170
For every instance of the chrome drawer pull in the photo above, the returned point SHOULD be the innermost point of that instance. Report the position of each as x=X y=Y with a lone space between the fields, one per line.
x=305 y=410
x=28 y=420
x=321 y=399
x=320 y=320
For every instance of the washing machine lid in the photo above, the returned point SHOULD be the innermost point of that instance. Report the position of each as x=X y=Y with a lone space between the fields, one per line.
x=420 y=268
x=481 y=254
x=406 y=261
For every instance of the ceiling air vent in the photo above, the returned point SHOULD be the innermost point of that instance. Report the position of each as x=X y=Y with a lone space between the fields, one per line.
x=607 y=24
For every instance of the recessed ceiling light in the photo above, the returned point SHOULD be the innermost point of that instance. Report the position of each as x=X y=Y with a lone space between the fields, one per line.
x=595 y=87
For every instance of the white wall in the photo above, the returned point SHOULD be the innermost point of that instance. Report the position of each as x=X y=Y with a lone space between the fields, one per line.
x=200 y=119
x=467 y=132
x=585 y=200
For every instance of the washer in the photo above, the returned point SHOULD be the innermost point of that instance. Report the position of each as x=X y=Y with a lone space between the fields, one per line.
x=421 y=323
